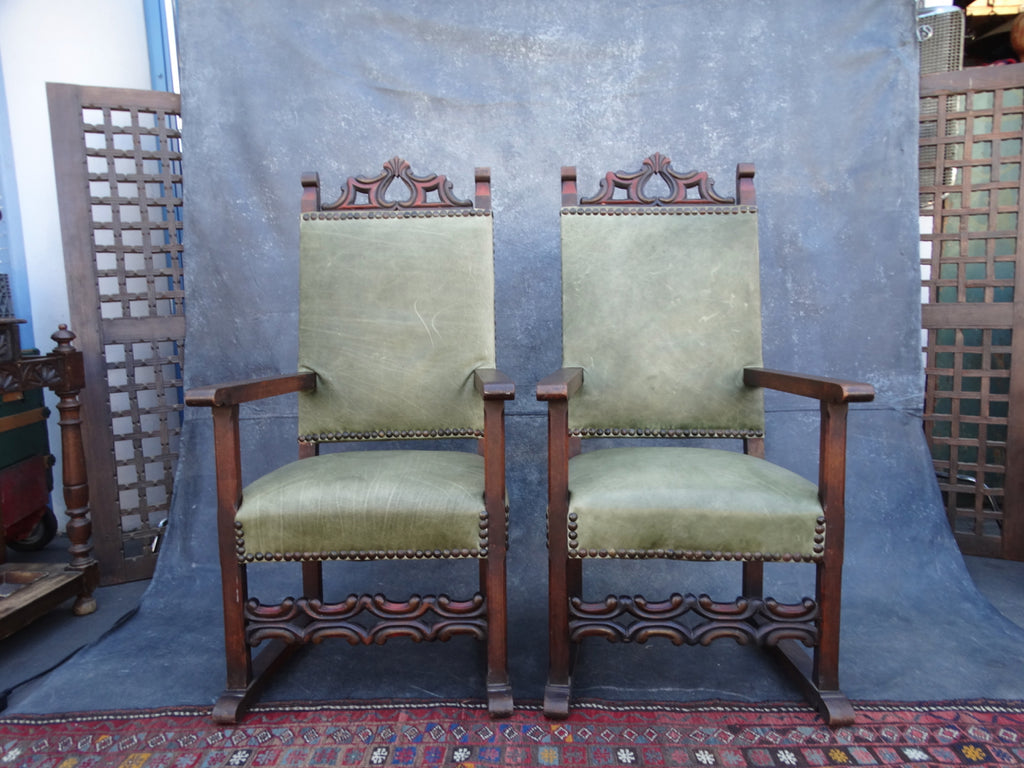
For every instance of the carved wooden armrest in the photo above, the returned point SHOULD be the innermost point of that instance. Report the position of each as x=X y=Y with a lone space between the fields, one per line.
x=817 y=387
x=235 y=392
x=560 y=385
x=492 y=384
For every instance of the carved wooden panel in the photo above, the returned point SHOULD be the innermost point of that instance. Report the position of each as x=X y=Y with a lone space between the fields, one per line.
x=970 y=183
x=117 y=155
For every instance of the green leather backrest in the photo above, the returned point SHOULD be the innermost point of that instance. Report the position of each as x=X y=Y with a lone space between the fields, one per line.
x=661 y=308
x=396 y=312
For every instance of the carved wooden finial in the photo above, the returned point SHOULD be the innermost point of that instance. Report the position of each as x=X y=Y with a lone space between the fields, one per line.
x=745 y=193
x=63 y=337
x=634 y=183
x=482 y=177
x=569 y=191
x=310 y=192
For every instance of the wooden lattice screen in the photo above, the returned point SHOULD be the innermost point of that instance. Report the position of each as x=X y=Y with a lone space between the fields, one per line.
x=971 y=129
x=117 y=155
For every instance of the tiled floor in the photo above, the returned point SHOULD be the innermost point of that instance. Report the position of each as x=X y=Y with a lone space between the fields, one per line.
x=54 y=637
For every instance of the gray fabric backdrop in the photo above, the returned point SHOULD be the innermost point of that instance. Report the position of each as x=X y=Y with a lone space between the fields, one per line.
x=822 y=97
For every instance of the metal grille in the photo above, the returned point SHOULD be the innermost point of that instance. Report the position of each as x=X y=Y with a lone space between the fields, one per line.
x=123 y=248
x=971 y=155
x=941 y=33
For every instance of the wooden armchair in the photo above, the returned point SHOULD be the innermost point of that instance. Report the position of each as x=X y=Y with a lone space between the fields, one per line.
x=662 y=339
x=396 y=342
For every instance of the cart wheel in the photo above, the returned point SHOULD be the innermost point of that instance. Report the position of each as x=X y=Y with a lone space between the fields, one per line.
x=41 y=535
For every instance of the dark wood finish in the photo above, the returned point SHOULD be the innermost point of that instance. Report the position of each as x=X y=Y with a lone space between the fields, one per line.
x=236 y=392
x=44 y=587
x=970 y=194
x=117 y=158
x=370 y=193
x=632 y=184
x=817 y=387
x=365 y=619
x=689 y=619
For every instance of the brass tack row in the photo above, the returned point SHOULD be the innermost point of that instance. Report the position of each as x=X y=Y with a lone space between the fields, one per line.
x=647 y=432
x=680 y=210
x=419 y=213
x=389 y=434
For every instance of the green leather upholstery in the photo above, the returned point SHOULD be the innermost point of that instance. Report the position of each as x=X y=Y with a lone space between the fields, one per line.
x=396 y=312
x=685 y=502
x=661 y=308
x=362 y=504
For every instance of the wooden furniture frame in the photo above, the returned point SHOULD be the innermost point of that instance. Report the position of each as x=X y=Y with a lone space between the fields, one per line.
x=752 y=617
x=308 y=619
x=31 y=589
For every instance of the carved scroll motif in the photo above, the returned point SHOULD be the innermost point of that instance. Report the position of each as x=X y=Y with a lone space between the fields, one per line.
x=634 y=620
x=374 y=191
x=679 y=185
x=430 y=617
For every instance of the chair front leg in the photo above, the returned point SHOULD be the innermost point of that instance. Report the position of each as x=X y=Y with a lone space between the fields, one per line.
x=832 y=490
x=564 y=576
x=234 y=590
x=499 y=684
x=493 y=572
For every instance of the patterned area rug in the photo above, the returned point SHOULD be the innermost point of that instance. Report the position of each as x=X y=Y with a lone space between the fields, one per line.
x=435 y=734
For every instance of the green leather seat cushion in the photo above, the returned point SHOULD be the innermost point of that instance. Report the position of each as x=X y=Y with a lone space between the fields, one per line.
x=689 y=500
x=373 y=502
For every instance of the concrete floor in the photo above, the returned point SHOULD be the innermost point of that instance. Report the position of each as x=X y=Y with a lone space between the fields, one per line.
x=27 y=656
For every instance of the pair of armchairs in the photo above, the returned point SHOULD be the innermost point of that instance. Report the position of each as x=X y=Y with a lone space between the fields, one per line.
x=661 y=339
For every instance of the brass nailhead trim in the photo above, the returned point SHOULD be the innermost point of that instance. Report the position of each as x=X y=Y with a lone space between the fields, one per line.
x=398 y=554
x=419 y=213
x=654 y=210
x=817 y=555
x=389 y=434
x=670 y=433
x=671 y=554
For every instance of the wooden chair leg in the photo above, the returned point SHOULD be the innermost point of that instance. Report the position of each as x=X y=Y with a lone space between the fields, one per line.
x=499 y=685
x=574 y=577
x=559 y=685
x=245 y=678
x=834 y=706
x=237 y=654
x=313 y=580
x=753 y=578
x=818 y=676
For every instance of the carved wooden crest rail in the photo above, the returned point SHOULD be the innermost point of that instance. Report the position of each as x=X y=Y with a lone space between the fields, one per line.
x=361 y=193
x=634 y=184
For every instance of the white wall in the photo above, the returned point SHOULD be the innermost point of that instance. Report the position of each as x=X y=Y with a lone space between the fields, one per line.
x=99 y=42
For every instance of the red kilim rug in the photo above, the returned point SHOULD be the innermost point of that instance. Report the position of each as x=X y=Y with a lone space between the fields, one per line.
x=447 y=734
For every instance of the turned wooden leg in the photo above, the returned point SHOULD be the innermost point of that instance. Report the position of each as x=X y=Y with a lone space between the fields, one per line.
x=75 y=480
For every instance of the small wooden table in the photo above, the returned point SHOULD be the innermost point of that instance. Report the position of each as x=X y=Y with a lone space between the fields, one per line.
x=28 y=590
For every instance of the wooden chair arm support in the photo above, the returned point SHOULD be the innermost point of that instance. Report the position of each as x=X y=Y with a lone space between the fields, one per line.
x=492 y=384
x=560 y=385
x=817 y=387
x=235 y=392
